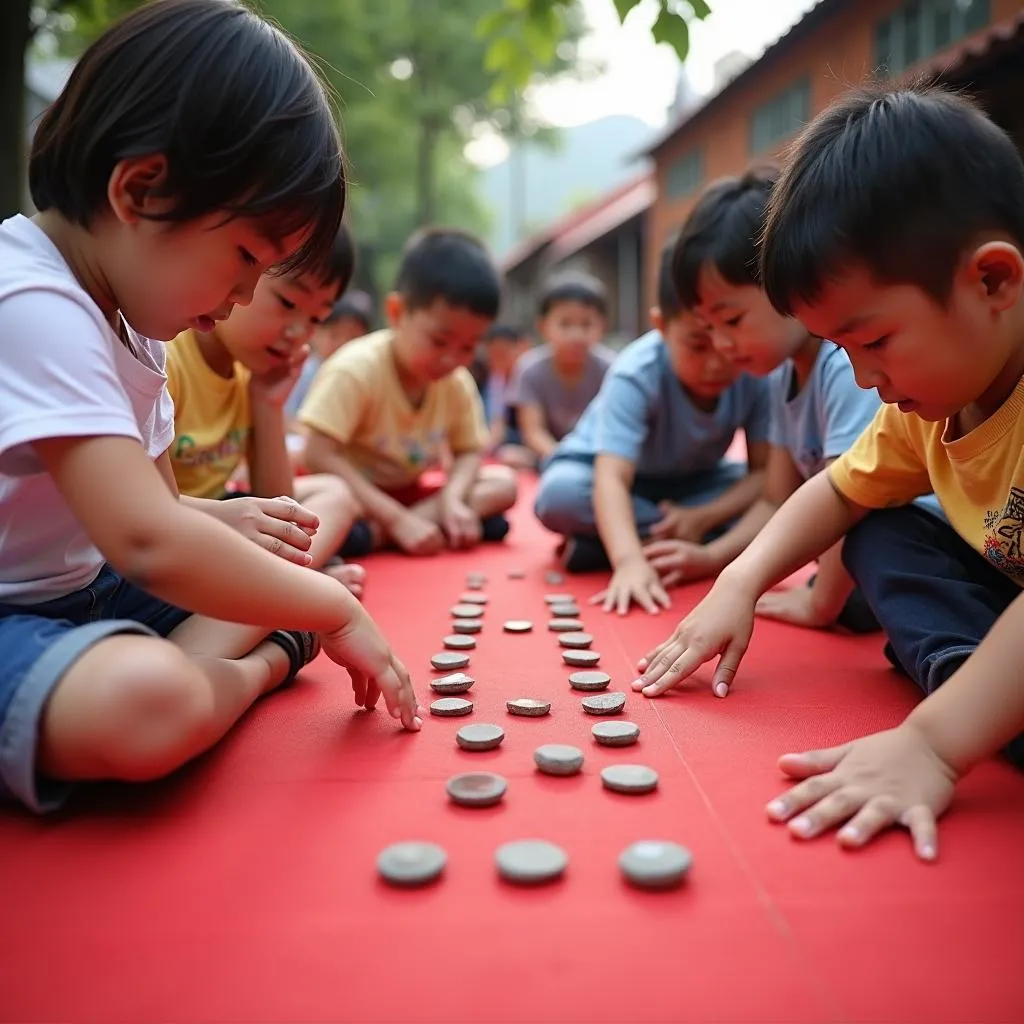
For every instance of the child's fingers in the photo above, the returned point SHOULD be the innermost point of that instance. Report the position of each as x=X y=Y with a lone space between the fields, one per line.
x=670 y=579
x=875 y=816
x=372 y=694
x=399 y=696
x=643 y=597
x=806 y=794
x=675 y=663
x=290 y=511
x=813 y=762
x=358 y=686
x=727 y=667
x=832 y=809
x=923 y=830
x=598 y=597
x=656 y=548
x=660 y=595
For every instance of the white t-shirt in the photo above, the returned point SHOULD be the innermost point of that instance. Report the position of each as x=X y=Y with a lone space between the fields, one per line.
x=63 y=373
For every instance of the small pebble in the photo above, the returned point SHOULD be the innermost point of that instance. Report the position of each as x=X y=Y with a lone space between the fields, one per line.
x=590 y=681
x=518 y=626
x=475 y=580
x=447 y=660
x=577 y=640
x=558 y=599
x=530 y=861
x=561 y=625
x=476 y=789
x=527 y=707
x=581 y=659
x=655 y=864
x=564 y=611
x=553 y=578
x=558 y=759
x=472 y=598
x=467 y=625
x=604 y=703
x=467 y=611
x=516 y=574
x=616 y=734
x=456 y=682
x=480 y=737
x=629 y=778
x=412 y=863
x=459 y=642
x=451 y=707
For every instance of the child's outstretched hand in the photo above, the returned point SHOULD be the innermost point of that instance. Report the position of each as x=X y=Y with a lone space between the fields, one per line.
x=720 y=625
x=679 y=560
x=680 y=522
x=889 y=778
x=360 y=649
x=281 y=525
x=634 y=579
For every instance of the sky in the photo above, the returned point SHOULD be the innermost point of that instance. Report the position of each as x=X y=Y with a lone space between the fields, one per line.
x=639 y=75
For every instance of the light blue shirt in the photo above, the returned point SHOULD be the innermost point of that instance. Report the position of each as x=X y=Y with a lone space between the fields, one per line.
x=826 y=416
x=643 y=414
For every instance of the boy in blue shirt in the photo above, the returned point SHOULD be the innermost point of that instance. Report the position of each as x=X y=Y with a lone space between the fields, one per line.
x=647 y=458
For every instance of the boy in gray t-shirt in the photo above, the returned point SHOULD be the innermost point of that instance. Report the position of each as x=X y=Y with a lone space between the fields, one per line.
x=554 y=383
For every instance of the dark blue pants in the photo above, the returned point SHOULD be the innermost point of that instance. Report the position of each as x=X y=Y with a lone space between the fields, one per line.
x=934 y=595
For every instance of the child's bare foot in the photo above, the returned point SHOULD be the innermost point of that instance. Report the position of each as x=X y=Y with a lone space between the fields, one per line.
x=351 y=576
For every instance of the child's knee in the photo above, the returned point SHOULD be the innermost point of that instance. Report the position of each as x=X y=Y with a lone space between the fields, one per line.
x=333 y=496
x=558 y=503
x=503 y=484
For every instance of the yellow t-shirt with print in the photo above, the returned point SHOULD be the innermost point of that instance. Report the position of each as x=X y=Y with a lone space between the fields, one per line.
x=358 y=400
x=212 y=420
x=978 y=478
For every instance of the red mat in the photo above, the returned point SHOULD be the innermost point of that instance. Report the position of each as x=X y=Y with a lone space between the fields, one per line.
x=243 y=889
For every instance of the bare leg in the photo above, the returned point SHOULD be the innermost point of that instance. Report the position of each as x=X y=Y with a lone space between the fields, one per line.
x=518 y=456
x=336 y=507
x=493 y=492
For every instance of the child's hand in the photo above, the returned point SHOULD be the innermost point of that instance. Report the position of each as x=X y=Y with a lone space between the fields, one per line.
x=795 y=606
x=460 y=524
x=680 y=523
x=633 y=580
x=678 y=560
x=361 y=650
x=889 y=778
x=273 y=388
x=416 y=535
x=721 y=624
x=281 y=525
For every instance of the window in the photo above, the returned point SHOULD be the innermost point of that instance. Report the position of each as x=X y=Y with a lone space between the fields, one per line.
x=685 y=174
x=782 y=115
x=923 y=27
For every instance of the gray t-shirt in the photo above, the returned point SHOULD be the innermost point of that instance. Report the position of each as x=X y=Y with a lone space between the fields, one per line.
x=643 y=414
x=536 y=383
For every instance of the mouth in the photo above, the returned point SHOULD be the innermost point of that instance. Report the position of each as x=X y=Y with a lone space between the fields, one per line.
x=281 y=352
x=206 y=323
x=907 y=405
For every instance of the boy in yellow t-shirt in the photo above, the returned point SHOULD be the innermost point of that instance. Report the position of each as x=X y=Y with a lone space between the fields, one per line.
x=229 y=387
x=388 y=407
x=898 y=230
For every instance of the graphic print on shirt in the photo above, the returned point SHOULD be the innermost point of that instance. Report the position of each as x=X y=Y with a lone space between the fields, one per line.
x=1003 y=535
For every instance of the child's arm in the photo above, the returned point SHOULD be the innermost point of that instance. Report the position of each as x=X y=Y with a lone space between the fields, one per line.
x=270 y=467
x=534 y=428
x=906 y=775
x=191 y=560
x=633 y=578
x=810 y=522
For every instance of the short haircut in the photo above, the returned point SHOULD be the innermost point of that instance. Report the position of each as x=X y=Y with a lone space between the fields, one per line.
x=339 y=263
x=668 y=297
x=241 y=117
x=722 y=232
x=585 y=289
x=897 y=180
x=354 y=304
x=448 y=264
x=503 y=332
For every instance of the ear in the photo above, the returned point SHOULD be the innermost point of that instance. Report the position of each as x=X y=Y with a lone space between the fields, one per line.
x=394 y=308
x=656 y=318
x=135 y=188
x=995 y=272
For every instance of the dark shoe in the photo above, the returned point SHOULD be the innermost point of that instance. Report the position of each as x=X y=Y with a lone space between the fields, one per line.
x=857 y=616
x=494 y=528
x=585 y=554
x=359 y=542
x=300 y=646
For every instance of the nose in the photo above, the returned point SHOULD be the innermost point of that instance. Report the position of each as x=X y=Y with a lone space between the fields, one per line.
x=867 y=373
x=244 y=290
x=299 y=332
x=723 y=343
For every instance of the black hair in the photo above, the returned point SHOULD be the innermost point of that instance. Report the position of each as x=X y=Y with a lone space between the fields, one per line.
x=722 y=232
x=668 y=297
x=899 y=180
x=503 y=332
x=338 y=264
x=448 y=264
x=573 y=287
x=355 y=304
x=237 y=111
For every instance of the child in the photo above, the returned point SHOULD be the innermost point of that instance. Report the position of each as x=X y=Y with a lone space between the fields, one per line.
x=898 y=230
x=817 y=409
x=160 y=208
x=386 y=408
x=229 y=386
x=503 y=345
x=647 y=458
x=553 y=384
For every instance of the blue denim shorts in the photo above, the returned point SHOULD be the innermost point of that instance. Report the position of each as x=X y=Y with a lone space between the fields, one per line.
x=38 y=644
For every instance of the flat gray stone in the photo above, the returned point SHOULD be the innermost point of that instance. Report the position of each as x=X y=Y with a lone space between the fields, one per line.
x=445 y=661
x=558 y=599
x=558 y=759
x=455 y=682
x=575 y=640
x=604 y=703
x=565 y=611
x=467 y=611
x=451 y=707
x=476 y=789
x=530 y=861
x=476 y=580
x=616 y=734
x=590 y=680
x=629 y=778
x=459 y=642
x=411 y=863
x=472 y=598
x=553 y=578
x=655 y=864
x=516 y=574
x=527 y=707
x=564 y=625
x=467 y=625
x=581 y=659
x=480 y=737
x=518 y=626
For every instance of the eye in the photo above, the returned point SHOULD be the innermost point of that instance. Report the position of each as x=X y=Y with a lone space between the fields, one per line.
x=733 y=321
x=287 y=303
x=877 y=346
x=247 y=257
